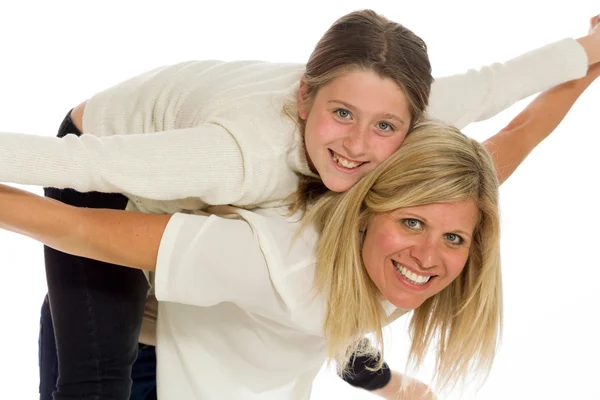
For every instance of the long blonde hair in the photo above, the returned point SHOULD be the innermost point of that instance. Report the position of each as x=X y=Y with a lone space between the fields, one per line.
x=436 y=163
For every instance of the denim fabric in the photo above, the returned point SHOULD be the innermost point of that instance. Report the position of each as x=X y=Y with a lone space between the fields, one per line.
x=96 y=313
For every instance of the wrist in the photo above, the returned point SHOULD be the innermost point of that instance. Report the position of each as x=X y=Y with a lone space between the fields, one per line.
x=402 y=386
x=391 y=390
x=593 y=72
x=591 y=45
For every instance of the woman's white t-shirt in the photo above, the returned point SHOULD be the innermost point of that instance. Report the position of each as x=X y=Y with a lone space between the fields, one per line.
x=238 y=318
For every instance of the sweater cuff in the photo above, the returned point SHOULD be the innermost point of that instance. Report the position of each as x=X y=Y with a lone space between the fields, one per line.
x=574 y=56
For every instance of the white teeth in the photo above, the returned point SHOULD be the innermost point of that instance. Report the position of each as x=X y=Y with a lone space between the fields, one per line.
x=411 y=276
x=345 y=163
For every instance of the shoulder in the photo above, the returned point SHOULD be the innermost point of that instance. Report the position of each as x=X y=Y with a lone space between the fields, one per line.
x=281 y=237
x=277 y=262
x=289 y=252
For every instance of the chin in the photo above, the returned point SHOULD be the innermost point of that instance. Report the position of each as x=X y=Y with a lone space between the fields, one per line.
x=337 y=186
x=406 y=304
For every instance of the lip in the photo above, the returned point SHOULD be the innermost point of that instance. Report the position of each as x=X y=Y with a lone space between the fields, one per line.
x=344 y=169
x=408 y=284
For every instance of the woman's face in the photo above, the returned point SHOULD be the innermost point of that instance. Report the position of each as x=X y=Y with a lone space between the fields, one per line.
x=353 y=124
x=413 y=253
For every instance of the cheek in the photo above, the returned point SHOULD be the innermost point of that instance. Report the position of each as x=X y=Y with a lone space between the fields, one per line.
x=380 y=244
x=455 y=265
x=388 y=242
x=384 y=147
x=321 y=128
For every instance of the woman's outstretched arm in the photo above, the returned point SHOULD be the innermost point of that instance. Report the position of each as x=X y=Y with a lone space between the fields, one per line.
x=118 y=237
x=512 y=145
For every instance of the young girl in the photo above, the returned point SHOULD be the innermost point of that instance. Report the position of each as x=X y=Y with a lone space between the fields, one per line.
x=180 y=137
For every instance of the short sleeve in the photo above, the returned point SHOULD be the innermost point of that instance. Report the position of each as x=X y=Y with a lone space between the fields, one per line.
x=206 y=260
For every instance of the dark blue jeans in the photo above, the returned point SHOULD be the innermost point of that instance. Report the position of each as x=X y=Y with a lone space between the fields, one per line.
x=143 y=372
x=96 y=312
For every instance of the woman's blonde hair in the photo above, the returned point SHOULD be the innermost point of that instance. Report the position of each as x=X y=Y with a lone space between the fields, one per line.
x=436 y=163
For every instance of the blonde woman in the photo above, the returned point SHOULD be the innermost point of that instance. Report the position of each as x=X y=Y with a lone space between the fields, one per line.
x=242 y=133
x=254 y=303
x=247 y=310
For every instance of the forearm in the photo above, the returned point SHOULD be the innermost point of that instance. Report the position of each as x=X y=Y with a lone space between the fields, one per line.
x=118 y=237
x=413 y=390
x=480 y=94
x=513 y=144
x=203 y=162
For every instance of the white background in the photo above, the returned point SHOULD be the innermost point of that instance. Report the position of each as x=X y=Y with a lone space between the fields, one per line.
x=55 y=54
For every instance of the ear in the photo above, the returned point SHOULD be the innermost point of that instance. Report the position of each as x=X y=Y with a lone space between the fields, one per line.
x=303 y=104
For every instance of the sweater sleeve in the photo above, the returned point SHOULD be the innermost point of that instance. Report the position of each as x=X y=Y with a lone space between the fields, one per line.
x=480 y=94
x=204 y=162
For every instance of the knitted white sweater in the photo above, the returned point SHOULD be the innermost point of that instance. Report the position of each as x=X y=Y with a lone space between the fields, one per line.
x=214 y=132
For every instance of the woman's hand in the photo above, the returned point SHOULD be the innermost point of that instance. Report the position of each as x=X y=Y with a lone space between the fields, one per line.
x=595 y=26
x=591 y=42
x=414 y=389
x=594 y=32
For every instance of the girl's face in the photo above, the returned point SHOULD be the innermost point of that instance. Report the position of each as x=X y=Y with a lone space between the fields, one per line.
x=353 y=124
x=413 y=253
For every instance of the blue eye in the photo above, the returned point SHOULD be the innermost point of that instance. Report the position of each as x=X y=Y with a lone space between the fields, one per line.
x=454 y=238
x=412 y=223
x=384 y=126
x=343 y=113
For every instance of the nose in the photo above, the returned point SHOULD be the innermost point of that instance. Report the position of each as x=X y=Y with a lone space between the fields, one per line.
x=426 y=253
x=356 y=142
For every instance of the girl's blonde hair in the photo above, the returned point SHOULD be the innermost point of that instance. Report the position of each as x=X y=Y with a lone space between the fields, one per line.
x=436 y=163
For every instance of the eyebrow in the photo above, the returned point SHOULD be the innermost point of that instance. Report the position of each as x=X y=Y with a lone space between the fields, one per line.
x=351 y=107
